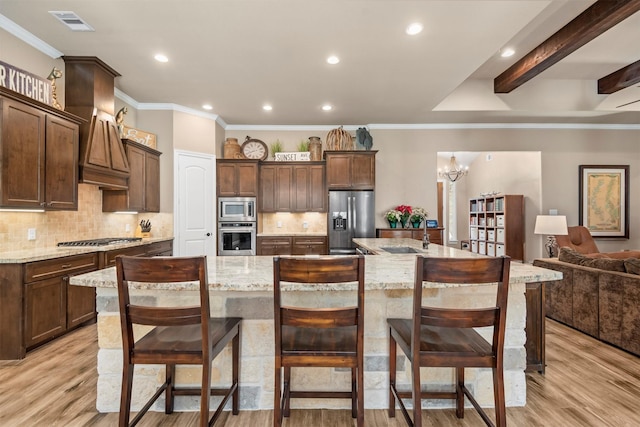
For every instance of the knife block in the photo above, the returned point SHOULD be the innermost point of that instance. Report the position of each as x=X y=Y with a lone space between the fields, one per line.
x=138 y=232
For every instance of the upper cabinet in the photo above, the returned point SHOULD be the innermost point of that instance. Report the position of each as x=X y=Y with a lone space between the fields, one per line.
x=293 y=187
x=39 y=152
x=237 y=178
x=143 y=194
x=351 y=170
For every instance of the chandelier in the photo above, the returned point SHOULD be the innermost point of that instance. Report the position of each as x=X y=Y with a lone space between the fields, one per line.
x=454 y=171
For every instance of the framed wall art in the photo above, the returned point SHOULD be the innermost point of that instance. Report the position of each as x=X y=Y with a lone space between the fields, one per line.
x=604 y=200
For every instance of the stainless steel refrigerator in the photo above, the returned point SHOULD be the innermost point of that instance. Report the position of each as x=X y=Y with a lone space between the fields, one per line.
x=351 y=215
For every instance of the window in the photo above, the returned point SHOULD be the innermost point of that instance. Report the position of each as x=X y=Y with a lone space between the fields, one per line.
x=452 y=217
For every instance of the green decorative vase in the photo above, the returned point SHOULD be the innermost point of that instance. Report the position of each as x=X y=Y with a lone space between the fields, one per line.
x=393 y=224
x=415 y=224
x=403 y=221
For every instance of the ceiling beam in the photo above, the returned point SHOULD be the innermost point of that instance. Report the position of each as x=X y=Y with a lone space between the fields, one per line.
x=621 y=79
x=595 y=20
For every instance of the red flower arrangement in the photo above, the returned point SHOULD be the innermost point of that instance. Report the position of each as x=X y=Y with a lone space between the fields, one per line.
x=405 y=211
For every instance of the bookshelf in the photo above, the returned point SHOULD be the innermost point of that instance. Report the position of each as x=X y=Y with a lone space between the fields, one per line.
x=496 y=226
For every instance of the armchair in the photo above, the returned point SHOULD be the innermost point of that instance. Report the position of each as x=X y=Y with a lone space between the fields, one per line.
x=581 y=240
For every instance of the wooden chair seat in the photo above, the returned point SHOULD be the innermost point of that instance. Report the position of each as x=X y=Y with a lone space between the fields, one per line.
x=180 y=335
x=441 y=343
x=319 y=336
x=178 y=340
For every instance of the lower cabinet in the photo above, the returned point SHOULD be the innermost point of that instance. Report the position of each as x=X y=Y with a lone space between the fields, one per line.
x=51 y=305
x=435 y=234
x=38 y=304
x=292 y=245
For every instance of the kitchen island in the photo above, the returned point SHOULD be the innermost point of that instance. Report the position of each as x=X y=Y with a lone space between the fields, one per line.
x=242 y=286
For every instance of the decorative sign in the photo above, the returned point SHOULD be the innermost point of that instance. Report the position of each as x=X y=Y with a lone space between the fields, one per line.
x=140 y=136
x=27 y=84
x=293 y=157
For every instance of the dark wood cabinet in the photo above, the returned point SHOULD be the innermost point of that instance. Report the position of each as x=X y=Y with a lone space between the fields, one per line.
x=143 y=194
x=292 y=245
x=37 y=302
x=51 y=305
x=274 y=245
x=293 y=187
x=351 y=170
x=237 y=178
x=435 y=234
x=39 y=151
x=312 y=245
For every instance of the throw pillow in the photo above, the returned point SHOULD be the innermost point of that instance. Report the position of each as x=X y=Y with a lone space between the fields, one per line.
x=632 y=265
x=573 y=257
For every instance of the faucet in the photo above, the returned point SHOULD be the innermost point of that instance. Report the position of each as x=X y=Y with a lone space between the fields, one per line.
x=425 y=237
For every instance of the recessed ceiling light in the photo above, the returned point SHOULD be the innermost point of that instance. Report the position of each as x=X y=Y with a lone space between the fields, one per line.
x=415 y=28
x=507 y=52
x=207 y=107
x=327 y=107
x=161 y=58
x=333 y=60
x=267 y=107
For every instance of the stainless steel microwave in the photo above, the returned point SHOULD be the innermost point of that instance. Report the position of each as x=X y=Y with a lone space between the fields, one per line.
x=234 y=209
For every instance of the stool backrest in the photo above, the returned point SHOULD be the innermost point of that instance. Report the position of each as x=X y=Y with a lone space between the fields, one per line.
x=462 y=271
x=319 y=271
x=161 y=270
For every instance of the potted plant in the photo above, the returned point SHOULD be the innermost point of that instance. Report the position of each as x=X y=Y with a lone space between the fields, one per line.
x=418 y=215
x=405 y=213
x=275 y=147
x=393 y=216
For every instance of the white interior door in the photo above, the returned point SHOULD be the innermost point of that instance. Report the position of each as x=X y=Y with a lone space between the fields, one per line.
x=195 y=206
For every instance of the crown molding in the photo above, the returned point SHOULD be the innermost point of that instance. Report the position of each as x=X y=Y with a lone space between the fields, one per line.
x=24 y=35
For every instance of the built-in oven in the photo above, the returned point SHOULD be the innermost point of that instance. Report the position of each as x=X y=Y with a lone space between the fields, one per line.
x=236 y=238
x=236 y=209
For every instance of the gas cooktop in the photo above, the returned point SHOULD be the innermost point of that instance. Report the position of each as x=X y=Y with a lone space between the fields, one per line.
x=101 y=242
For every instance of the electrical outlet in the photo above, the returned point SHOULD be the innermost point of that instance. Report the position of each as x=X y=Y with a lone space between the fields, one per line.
x=127 y=228
x=279 y=224
x=305 y=224
x=31 y=234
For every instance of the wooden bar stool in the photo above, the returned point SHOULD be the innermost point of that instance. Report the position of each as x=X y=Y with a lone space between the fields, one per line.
x=444 y=337
x=182 y=335
x=318 y=337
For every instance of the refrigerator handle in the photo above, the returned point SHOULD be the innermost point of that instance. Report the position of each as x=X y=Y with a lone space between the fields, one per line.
x=349 y=213
x=353 y=212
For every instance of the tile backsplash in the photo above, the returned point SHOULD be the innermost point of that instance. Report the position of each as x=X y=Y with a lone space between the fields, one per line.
x=88 y=222
x=292 y=223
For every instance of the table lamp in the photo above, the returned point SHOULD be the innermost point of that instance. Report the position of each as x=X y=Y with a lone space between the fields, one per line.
x=551 y=225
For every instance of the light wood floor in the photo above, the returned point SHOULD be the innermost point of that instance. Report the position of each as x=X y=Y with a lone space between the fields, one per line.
x=587 y=383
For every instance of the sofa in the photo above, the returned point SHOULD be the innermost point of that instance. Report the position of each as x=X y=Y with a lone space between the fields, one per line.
x=598 y=296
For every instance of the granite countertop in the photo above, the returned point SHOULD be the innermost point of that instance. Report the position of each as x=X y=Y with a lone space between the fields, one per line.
x=382 y=272
x=29 y=255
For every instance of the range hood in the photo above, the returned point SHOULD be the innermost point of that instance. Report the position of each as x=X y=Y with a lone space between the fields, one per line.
x=89 y=93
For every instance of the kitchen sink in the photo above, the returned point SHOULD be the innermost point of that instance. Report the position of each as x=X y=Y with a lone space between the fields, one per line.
x=401 y=250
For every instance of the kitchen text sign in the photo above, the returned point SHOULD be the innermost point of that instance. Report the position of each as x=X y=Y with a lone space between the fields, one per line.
x=27 y=84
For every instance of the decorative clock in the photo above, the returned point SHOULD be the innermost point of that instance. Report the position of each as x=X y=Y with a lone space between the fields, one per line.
x=254 y=149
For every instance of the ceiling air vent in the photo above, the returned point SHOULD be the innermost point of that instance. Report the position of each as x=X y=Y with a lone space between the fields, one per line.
x=71 y=20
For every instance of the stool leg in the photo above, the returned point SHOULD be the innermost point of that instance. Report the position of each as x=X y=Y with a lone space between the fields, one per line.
x=125 y=394
x=416 y=392
x=235 y=349
x=354 y=395
x=392 y=376
x=277 y=414
x=168 y=401
x=459 y=392
x=498 y=391
x=360 y=422
x=287 y=391
x=205 y=393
